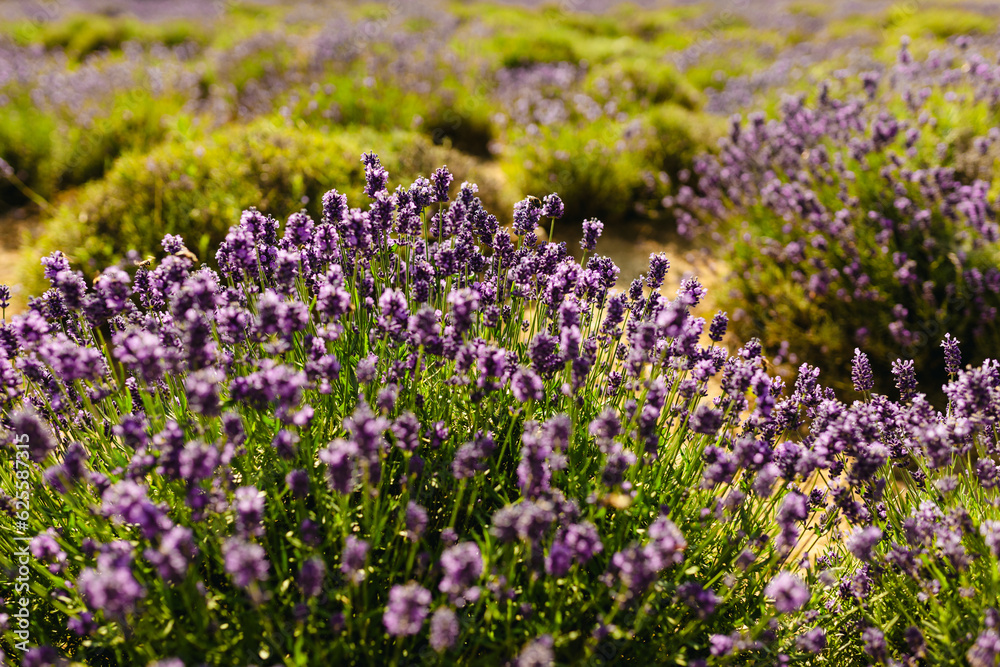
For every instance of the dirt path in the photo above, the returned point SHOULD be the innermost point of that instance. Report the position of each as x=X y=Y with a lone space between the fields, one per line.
x=13 y=226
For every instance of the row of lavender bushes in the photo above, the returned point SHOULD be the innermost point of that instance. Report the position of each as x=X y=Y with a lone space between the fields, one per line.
x=402 y=435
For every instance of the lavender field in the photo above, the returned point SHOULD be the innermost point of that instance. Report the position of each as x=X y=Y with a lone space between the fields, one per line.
x=513 y=334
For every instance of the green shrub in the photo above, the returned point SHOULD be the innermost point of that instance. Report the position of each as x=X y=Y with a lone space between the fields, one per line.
x=526 y=50
x=593 y=168
x=196 y=188
x=461 y=119
x=80 y=35
x=651 y=82
x=612 y=170
x=52 y=151
x=938 y=22
x=344 y=99
x=679 y=136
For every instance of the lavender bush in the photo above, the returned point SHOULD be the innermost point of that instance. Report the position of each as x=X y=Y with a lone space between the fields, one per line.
x=863 y=216
x=402 y=434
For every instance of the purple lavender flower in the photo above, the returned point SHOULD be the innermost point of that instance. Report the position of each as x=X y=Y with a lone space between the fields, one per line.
x=527 y=214
x=541 y=454
x=863 y=540
x=592 y=229
x=167 y=662
x=812 y=640
x=4 y=297
x=666 y=544
x=386 y=399
x=376 y=177
x=298 y=483
x=986 y=651
x=406 y=428
x=658 y=267
x=248 y=503
x=990 y=530
x=112 y=288
x=367 y=369
x=40 y=656
x=273 y=383
x=691 y=292
x=794 y=508
x=127 y=500
x=10 y=380
x=339 y=457
x=202 y=391
x=701 y=600
x=705 y=420
x=284 y=443
x=952 y=354
x=172 y=244
x=441 y=180
x=30 y=328
x=111 y=587
x=311 y=576
x=617 y=461
x=538 y=653
x=424 y=329
x=721 y=645
x=874 y=643
x=245 y=561
x=717 y=330
x=407 y=609
x=175 y=552
x=861 y=372
x=471 y=457
x=788 y=592
x=581 y=541
x=915 y=641
x=352 y=559
x=335 y=206
x=83 y=626
x=462 y=565
x=416 y=521
x=309 y=532
x=299 y=229
x=552 y=206
x=526 y=385
x=464 y=306
x=906 y=378
x=54 y=263
x=30 y=429
x=444 y=629
x=394 y=312
x=45 y=549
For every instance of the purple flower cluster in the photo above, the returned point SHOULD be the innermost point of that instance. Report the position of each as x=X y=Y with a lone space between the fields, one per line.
x=852 y=200
x=480 y=381
x=407 y=609
x=788 y=592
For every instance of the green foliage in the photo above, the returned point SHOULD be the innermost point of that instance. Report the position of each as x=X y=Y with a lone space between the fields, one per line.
x=197 y=186
x=526 y=50
x=611 y=170
x=591 y=168
x=51 y=152
x=80 y=35
x=650 y=81
x=680 y=137
x=938 y=22
x=461 y=118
